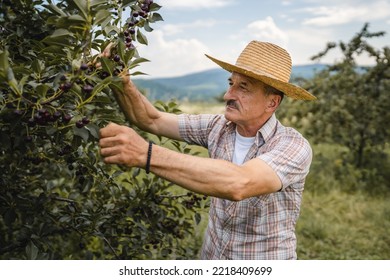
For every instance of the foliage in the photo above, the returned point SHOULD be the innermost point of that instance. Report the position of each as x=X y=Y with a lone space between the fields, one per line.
x=57 y=199
x=352 y=107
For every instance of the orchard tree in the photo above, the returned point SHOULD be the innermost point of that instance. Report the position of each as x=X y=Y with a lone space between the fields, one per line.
x=353 y=104
x=57 y=199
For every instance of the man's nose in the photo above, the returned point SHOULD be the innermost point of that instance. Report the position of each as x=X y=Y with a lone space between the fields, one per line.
x=229 y=94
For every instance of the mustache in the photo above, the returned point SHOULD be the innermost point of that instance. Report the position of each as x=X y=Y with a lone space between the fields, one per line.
x=232 y=103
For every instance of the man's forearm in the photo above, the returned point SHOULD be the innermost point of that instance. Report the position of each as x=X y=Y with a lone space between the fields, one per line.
x=212 y=177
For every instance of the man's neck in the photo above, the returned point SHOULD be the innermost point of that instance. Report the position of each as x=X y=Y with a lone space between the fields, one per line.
x=250 y=130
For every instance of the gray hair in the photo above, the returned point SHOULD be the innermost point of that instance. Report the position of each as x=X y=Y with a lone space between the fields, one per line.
x=271 y=90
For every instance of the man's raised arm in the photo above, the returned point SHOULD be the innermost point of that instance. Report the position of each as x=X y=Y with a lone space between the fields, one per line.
x=141 y=112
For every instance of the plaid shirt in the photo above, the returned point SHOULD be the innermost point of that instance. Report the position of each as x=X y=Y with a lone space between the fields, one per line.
x=261 y=227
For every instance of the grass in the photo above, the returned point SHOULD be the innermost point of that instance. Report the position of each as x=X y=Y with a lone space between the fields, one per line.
x=338 y=225
x=339 y=219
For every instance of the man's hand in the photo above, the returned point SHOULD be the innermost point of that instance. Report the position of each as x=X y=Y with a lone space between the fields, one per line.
x=122 y=145
x=106 y=53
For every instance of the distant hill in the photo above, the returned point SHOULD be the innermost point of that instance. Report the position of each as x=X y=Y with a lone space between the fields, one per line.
x=307 y=71
x=205 y=85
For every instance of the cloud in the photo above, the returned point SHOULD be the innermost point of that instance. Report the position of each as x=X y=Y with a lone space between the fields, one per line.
x=306 y=42
x=336 y=15
x=172 y=29
x=266 y=30
x=309 y=41
x=287 y=18
x=262 y=30
x=173 y=57
x=195 y=4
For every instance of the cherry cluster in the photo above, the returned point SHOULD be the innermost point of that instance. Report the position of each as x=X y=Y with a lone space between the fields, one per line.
x=44 y=116
x=141 y=12
x=193 y=200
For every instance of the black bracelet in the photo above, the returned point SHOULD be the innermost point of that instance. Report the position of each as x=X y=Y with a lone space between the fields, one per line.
x=147 y=168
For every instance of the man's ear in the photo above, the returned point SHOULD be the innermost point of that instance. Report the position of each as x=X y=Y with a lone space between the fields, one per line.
x=273 y=102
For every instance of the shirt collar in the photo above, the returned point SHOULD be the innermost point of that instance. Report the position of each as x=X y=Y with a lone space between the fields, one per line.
x=268 y=129
x=263 y=134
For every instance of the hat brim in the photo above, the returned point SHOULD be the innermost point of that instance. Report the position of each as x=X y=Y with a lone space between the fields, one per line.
x=291 y=90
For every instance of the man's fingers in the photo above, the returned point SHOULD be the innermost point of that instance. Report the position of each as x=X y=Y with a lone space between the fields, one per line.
x=105 y=142
x=110 y=151
x=106 y=53
x=114 y=135
x=114 y=159
x=107 y=50
x=107 y=151
x=122 y=145
x=109 y=130
x=114 y=155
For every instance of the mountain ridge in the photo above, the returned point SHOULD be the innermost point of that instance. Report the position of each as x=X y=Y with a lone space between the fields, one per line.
x=204 y=85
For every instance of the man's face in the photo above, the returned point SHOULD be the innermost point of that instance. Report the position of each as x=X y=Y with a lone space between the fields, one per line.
x=246 y=102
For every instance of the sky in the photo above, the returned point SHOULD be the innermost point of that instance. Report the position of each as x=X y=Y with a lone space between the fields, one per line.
x=222 y=28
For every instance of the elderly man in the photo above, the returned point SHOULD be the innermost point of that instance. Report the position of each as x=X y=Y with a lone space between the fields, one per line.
x=257 y=167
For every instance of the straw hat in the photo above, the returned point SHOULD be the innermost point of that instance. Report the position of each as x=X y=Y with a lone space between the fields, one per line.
x=268 y=63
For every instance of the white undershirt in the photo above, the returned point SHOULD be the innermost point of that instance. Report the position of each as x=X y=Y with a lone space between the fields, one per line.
x=241 y=148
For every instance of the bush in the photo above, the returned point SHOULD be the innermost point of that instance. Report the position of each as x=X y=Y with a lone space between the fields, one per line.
x=57 y=199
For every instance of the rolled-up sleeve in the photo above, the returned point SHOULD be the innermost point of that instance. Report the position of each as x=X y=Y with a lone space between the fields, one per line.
x=195 y=129
x=290 y=158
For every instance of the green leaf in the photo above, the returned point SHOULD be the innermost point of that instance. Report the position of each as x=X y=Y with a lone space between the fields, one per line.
x=141 y=38
x=128 y=2
x=107 y=64
x=65 y=219
x=155 y=7
x=4 y=65
x=31 y=251
x=55 y=9
x=198 y=218
x=41 y=90
x=37 y=65
x=82 y=132
x=98 y=2
x=130 y=54
x=93 y=129
x=59 y=41
x=82 y=5
x=121 y=49
x=13 y=83
x=75 y=18
x=102 y=100
x=117 y=84
x=50 y=130
x=101 y=16
x=147 y=27
x=156 y=17
x=137 y=61
x=137 y=73
x=111 y=30
x=54 y=49
x=61 y=32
